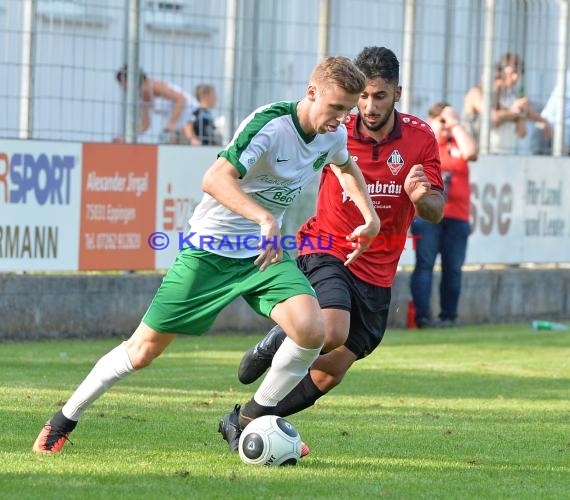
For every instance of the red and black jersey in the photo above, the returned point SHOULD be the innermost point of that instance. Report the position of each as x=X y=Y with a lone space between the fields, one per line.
x=385 y=165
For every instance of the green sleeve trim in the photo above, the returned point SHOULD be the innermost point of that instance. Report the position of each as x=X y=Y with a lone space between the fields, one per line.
x=345 y=164
x=259 y=120
x=233 y=159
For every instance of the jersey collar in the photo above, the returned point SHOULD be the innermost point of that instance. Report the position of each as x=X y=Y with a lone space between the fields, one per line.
x=394 y=134
x=306 y=138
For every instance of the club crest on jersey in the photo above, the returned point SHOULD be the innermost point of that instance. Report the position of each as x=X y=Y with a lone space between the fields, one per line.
x=395 y=162
x=320 y=161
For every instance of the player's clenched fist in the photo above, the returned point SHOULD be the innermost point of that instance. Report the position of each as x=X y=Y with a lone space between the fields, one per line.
x=416 y=184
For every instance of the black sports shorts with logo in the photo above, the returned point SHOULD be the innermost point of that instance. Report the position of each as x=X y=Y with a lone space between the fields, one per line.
x=338 y=288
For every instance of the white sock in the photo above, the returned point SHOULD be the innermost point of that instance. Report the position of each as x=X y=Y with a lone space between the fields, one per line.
x=290 y=364
x=109 y=369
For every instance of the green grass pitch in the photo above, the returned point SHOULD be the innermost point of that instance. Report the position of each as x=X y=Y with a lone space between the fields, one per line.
x=476 y=412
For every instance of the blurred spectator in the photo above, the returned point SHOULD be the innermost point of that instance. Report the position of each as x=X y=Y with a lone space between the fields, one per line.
x=550 y=111
x=472 y=109
x=204 y=125
x=176 y=104
x=448 y=237
x=510 y=108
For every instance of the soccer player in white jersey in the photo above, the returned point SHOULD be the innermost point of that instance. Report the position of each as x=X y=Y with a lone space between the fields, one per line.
x=233 y=247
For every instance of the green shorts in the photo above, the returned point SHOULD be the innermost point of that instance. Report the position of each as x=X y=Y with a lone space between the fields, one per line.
x=200 y=284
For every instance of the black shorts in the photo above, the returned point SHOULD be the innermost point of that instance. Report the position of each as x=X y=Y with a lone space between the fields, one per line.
x=338 y=288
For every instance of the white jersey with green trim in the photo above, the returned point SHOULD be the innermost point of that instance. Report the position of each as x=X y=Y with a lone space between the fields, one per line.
x=276 y=160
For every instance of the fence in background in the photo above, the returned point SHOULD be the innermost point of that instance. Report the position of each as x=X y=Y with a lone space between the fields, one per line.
x=59 y=57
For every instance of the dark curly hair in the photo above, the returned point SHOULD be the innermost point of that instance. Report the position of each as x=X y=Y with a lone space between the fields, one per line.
x=121 y=75
x=379 y=62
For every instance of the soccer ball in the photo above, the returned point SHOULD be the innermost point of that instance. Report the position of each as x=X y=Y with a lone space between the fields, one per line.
x=270 y=440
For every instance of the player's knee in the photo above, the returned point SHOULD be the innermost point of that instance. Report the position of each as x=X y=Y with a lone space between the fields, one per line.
x=314 y=333
x=309 y=332
x=335 y=337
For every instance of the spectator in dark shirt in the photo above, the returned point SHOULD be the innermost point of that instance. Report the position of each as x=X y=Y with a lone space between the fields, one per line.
x=204 y=126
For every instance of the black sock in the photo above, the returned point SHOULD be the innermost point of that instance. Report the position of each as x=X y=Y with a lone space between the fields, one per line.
x=302 y=396
x=251 y=410
x=60 y=421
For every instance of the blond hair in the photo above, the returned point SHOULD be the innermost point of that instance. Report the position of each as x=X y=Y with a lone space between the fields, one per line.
x=437 y=108
x=202 y=90
x=340 y=71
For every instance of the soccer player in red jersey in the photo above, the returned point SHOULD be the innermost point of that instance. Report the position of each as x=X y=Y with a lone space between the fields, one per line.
x=398 y=155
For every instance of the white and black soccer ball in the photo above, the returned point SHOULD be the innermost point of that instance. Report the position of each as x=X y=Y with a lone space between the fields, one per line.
x=270 y=440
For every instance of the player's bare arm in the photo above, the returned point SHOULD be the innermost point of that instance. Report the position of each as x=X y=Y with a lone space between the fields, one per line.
x=352 y=181
x=428 y=202
x=221 y=182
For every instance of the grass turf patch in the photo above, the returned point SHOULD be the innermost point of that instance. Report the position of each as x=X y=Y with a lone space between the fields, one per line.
x=476 y=412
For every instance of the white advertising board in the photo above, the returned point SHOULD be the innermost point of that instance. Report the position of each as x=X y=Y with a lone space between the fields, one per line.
x=543 y=211
x=520 y=211
x=40 y=195
x=179 y=181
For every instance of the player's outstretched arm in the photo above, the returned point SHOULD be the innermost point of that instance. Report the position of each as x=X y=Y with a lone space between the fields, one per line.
x=352 y=181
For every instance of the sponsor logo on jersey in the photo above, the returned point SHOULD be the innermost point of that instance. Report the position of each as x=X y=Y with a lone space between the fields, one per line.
x=281 y=195
x=274 y=180
x=380 y=189
x=395 y=162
